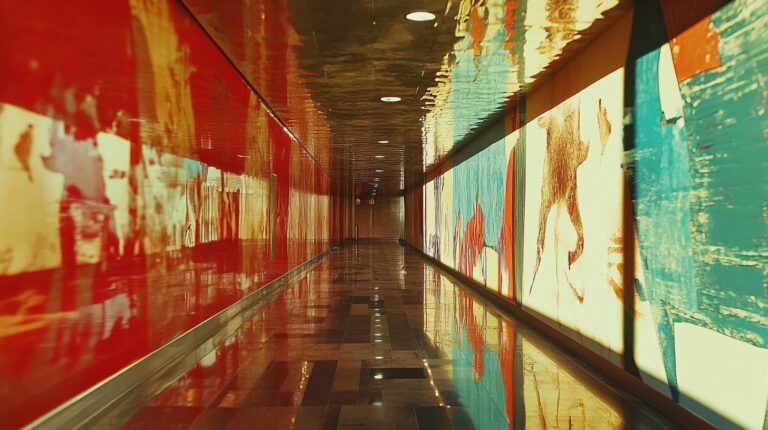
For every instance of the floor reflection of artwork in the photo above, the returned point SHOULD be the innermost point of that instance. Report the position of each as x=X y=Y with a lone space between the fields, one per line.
x=555 y=400
x=502 y=379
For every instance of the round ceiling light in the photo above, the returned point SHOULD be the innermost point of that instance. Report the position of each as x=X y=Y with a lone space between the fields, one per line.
x=420 y=16
x=391 y=99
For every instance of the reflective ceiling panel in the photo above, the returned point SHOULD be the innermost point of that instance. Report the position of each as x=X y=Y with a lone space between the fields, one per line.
x=324 y=65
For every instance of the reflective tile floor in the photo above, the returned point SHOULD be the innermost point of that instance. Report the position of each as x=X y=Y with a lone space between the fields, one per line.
x=376 y=338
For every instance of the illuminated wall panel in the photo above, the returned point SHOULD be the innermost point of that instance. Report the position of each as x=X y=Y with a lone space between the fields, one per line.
x=674 y=108
x=701 y=187
x=161 y=156
x=572 y=234
x=144 y=187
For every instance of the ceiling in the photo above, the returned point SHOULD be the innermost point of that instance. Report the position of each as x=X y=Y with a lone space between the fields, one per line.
x=323 y=65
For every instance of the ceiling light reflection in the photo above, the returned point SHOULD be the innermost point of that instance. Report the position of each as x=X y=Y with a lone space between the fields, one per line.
x=420 y=16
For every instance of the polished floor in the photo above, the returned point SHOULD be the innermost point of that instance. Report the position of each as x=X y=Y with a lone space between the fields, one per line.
x=374 y=337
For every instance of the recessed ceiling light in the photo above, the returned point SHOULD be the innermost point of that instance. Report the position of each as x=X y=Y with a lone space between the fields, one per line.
x=391 y=99
x=379 y=156
x=420 y=16
x=383 y=141
x=379 y=170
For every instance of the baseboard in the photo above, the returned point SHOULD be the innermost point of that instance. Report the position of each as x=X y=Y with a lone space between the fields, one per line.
x=589 y=358
x=114 y=400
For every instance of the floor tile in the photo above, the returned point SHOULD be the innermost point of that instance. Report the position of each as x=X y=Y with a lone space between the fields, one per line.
x=397 y=373
x=358 y=343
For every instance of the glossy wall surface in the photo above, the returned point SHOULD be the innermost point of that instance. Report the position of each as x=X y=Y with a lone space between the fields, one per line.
x=623 y=203
x=381 y=220
x=144 y=188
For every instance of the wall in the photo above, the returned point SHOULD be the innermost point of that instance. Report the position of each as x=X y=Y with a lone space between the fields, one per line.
x=126 y=137
x=159 y=140
x=414 y=216
x=382 y=220
x=623 y=203
x=343 y=206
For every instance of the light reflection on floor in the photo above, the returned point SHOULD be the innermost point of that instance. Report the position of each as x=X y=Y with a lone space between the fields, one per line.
x=425 y=354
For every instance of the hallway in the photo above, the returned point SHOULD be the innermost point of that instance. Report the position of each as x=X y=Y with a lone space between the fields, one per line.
x=375 y=337
x=384 y=214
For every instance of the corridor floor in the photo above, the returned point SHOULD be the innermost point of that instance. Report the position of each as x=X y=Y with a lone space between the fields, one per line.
x=374 y=337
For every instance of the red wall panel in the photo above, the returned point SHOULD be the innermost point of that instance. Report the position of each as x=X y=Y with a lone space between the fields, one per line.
x=136 y=169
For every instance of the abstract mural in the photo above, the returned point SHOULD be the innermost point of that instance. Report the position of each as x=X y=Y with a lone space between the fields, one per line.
x=100 y=167
x=573 y=181
x=540 y=216
x=145 y=187
x=472 y=226
x=701 y=187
